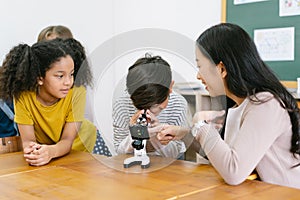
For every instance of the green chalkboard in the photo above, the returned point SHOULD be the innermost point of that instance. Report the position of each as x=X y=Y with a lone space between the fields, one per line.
x=265 y=15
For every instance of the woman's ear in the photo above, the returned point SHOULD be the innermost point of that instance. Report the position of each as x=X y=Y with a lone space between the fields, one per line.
x=222 y=69
x=171 y=87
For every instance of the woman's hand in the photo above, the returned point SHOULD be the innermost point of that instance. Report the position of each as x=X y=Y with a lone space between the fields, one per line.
x=208 y=116
x=212 y=117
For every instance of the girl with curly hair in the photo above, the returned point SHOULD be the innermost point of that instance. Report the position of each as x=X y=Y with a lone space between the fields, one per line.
x=49 y=107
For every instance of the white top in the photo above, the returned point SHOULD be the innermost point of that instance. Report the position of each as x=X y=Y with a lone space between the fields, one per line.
x=175 y=114
x=257 y=136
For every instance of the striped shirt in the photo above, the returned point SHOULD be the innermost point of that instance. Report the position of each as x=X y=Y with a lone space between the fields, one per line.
x=174 y=114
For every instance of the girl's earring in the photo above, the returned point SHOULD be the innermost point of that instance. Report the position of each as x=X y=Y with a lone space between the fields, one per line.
x=40 y=82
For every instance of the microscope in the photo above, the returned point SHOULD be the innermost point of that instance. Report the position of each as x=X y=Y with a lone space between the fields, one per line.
x=139 y=134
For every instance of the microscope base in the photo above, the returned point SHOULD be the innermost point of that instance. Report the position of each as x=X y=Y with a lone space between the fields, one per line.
x=143 y=160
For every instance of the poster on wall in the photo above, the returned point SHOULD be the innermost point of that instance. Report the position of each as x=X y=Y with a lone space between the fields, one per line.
x=289 y=7
x=276 y=44
x=236 y=2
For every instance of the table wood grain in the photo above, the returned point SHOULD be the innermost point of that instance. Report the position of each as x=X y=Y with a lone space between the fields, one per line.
x=83 y=176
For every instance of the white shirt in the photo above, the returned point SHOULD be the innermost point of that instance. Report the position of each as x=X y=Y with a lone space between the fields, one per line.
x=175 y=114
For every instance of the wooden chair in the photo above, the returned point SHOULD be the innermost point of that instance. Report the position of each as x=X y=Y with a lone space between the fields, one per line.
x=10 y=144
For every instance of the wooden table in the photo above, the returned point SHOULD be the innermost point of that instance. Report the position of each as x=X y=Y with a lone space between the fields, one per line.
x=83 y=176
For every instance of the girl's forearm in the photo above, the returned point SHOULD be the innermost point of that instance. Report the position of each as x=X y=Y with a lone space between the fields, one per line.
x=61 y=148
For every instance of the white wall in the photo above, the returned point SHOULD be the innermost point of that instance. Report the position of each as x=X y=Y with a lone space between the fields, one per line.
x=97 y=23
x=91 y=22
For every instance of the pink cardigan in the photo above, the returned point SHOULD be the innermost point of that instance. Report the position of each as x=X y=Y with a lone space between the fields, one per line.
x=257 y=136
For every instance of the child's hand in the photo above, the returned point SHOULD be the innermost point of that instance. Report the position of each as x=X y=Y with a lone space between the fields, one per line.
x=135 y=117
x=31 y=148
x=41 y=155
x=153 y=121
x=172 y=132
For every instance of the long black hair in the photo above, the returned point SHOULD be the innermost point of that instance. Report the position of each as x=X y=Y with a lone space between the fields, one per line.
x=247 y=72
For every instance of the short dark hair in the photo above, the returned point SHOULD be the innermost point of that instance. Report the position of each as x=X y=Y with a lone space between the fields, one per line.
x=148 y=81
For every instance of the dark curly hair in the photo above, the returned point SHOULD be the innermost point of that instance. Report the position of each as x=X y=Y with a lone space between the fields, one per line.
x=148 y=81
x=82 y=71
x=23 y=66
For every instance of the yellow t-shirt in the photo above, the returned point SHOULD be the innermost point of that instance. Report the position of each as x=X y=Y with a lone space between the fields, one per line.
x=49 y=121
